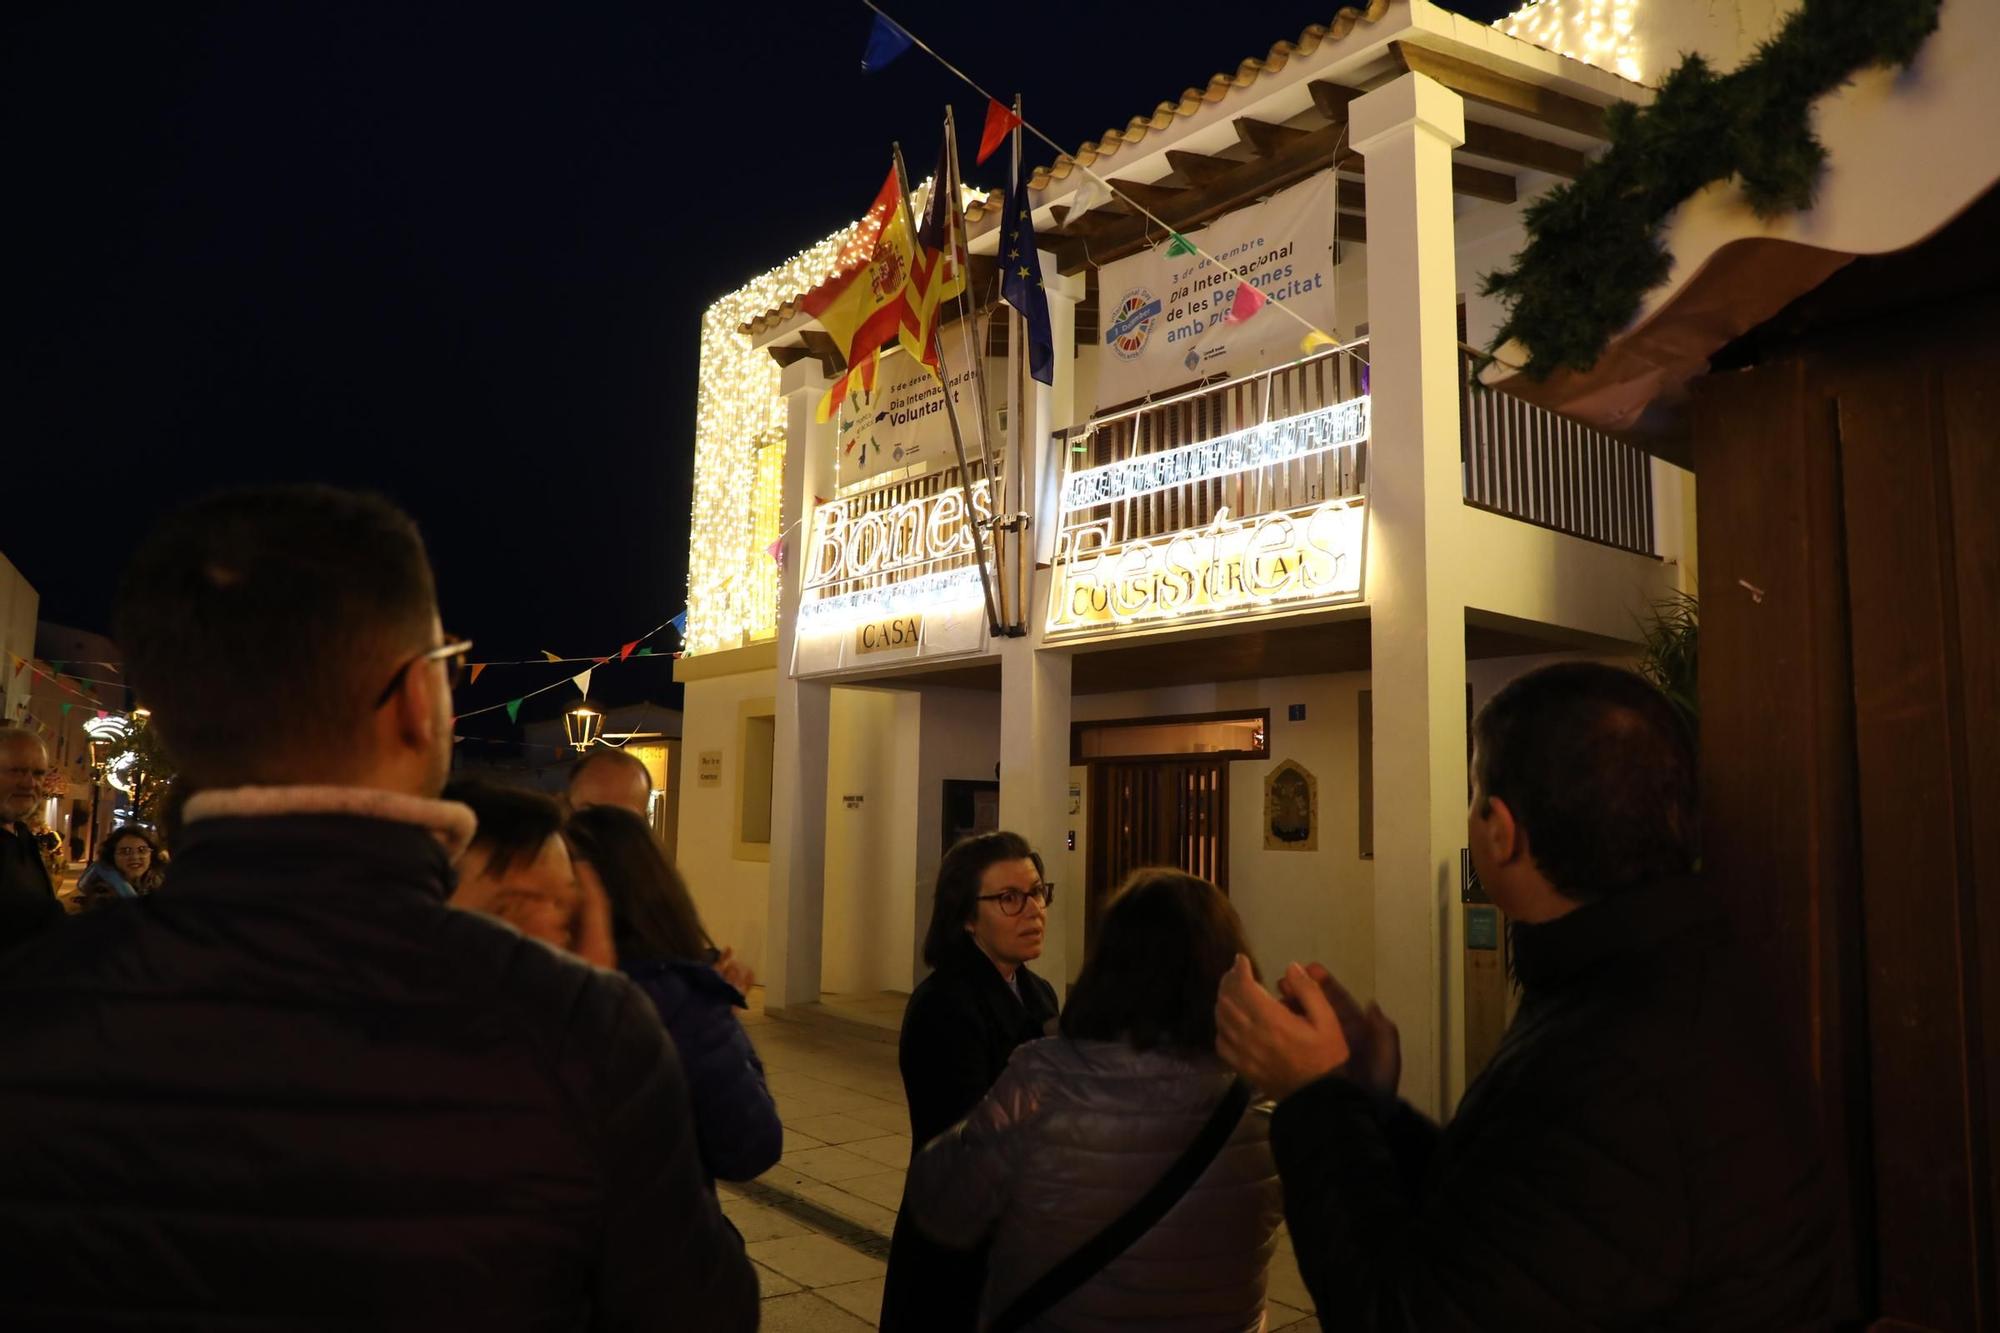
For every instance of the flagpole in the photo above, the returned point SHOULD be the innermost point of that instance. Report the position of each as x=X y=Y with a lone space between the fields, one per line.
x=951 y=415
x=1018 y=364
x=967 y=303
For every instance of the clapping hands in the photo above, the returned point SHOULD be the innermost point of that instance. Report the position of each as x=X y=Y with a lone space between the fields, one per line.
x=1316 y=1029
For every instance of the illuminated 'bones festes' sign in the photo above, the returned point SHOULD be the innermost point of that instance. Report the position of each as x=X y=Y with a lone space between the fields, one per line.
x=1245 y=450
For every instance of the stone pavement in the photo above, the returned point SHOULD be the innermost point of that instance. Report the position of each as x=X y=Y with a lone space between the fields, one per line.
x=818 y=1224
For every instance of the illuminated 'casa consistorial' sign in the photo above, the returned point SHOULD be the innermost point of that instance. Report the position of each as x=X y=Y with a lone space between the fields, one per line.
x=1229 y=566
x=1264 y=445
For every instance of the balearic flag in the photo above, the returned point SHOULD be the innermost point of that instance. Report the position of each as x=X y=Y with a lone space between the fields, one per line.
x=867 y=305
x=939 y=274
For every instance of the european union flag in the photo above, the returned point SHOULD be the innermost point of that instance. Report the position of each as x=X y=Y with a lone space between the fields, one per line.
x=1021 y=283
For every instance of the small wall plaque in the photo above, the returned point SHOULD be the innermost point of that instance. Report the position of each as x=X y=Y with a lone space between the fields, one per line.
x=1291 y=809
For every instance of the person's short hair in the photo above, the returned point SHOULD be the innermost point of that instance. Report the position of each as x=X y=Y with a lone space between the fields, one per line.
x=1598 y=769
x=607 y=754
x=653 y=916
x=107 y=850
x=956 y=899
x=514 y=823
x=256 y=624
x=1160 y=951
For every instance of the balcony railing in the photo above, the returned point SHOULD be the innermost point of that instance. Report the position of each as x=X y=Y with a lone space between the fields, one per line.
x=1543 y=468
x=1207 y=413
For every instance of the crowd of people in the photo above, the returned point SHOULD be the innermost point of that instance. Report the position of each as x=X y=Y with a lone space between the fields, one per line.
x=384 y=1049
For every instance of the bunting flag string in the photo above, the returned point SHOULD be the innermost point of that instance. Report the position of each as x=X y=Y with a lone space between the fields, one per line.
x=632 y=648
x=1092 y=181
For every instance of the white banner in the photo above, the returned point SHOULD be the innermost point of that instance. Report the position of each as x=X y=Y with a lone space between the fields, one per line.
x=902 y=423
x=1160 y=316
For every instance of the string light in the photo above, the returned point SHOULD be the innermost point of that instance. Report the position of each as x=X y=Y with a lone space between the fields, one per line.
x=739 y=450
x=1596 y=32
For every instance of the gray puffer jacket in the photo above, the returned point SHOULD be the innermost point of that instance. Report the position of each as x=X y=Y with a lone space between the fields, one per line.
x=1068 y=1139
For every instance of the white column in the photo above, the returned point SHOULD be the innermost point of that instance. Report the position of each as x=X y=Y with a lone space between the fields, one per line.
x=1406 y=129
x=1055 y=408
x=1034 y=777
x=797 y=909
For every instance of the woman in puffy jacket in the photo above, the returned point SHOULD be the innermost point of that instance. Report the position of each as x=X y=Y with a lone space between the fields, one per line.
x=663 y=947
x=1083 y=1124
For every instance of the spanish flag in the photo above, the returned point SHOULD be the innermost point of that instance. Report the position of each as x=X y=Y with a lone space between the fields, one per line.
x=868 y=306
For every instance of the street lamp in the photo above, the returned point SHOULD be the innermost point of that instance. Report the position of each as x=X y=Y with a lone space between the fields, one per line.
x=584 y=725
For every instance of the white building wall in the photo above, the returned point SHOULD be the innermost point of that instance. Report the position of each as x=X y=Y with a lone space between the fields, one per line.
x=731 y=893
x=1295 y=906
x=871 y=840
x=20 y=605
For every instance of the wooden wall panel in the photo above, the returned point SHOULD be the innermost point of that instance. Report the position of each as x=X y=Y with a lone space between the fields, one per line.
x=1932 y=1218
x=1778 y=800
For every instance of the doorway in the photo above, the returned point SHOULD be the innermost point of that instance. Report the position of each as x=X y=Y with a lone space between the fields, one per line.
x=1171 y=812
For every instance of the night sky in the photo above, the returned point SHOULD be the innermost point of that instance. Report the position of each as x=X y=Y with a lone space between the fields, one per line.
x=459 y=254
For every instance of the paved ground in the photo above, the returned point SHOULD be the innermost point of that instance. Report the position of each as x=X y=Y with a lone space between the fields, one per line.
x=818 y=1224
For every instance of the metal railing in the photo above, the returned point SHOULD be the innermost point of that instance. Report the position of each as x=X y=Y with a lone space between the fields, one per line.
x=1543 y=468
x=1203 y=414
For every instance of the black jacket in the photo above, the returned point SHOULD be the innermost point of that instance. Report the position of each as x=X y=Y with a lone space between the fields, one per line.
x=293 y=1089
x=1632 y=1158
x=27 y=899
x=959 y=1030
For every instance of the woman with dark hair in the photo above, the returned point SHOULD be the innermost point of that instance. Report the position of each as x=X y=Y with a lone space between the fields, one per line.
x=1129 y=1100
x=128 y=866
x=663 y=947
x=988 y=916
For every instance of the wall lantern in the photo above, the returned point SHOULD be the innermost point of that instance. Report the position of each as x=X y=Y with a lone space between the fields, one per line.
x=584 y=726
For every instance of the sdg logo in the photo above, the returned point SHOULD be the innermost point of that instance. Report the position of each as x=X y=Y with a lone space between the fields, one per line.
x=1132 y=323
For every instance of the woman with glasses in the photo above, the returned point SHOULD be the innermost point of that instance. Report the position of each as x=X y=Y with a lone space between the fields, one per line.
x=1081 y=1128
x=988 y=916
x=663 y=946
x=128 y=866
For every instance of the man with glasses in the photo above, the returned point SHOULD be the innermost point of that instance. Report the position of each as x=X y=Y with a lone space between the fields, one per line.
x=295 y=1087
x=27 y=899
x=988 y=916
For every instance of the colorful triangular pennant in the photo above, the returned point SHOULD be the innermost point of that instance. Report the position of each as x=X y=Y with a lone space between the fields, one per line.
x=513 y=710
x=1248 y=302
x=477 y=667
x=1000 y=122
x=886 y=41
x=628 y=650
x=582 y=680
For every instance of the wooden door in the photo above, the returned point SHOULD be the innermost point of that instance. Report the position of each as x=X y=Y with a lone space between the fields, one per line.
x=1850 y=687
x=1156 y=813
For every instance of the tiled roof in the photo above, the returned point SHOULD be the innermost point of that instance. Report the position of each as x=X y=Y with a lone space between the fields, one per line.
x=1163 y=116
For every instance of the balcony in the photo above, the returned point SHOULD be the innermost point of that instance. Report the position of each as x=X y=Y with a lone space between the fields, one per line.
x=1536 y=466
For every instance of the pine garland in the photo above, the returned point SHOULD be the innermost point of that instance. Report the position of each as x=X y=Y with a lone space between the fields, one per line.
x=1594 y=247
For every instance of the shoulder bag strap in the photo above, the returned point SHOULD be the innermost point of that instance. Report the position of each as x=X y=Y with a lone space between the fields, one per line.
x=1086 y=1263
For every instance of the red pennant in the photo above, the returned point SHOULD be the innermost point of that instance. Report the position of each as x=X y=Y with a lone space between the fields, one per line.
x=1247 y=303
x=627 y=650
x=600 y=660
x=1000 y=122
x=476 y=668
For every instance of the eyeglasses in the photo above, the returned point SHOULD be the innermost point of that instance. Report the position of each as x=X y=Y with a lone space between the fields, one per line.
x=1015 y=901
x=36 y=773
x=453 y=653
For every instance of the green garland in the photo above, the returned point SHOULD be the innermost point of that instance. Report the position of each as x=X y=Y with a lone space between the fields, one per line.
x=1594 y=247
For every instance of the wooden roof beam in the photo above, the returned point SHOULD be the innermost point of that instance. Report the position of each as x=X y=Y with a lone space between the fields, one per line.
x=1523 y=150
x=1157 y=199
x=1504 y=91
x=1199 y=169
x=1331 y=99
x=820 y=343
x=1264 y=138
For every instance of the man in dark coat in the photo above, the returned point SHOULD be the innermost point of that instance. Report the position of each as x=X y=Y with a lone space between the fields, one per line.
x=294 y=1088
x=27 y=899
x=1634 y=1156
x=961 y=1026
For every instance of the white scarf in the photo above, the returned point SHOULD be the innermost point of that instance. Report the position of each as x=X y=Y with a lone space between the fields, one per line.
x=450 y=822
